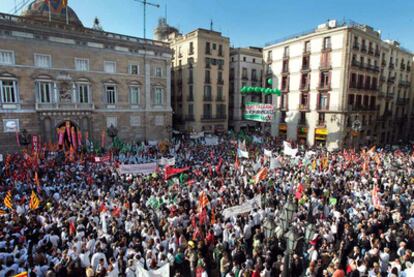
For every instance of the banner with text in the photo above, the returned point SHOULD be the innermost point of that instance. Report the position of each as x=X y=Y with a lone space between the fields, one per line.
x=259 y=112
x=166 y=161
x=134 y=169
x=246 y=207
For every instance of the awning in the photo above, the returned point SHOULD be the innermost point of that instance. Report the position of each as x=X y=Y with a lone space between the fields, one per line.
x=321 y=131
x=323 y=138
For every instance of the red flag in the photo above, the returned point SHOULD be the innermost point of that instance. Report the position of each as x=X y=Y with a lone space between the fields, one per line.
x=203 y=216
x=68 y=131
x=102 y=208
x=79 y=138
x=74 y=138
x=36 y=179
x=203 y=200
x=72 y=228
x=211 y=154
x=218 y=167
x=237 y=163
x=170 y=171
x=116 y=212
x=299 y=191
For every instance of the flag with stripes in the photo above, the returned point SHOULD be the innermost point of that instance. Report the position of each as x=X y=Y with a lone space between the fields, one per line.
x=8 y=201
x=23 y=274
x=34 y=201
x=2 y=212
x=261 y=175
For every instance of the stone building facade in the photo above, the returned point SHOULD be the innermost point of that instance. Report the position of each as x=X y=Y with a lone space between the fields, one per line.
x=54 y=71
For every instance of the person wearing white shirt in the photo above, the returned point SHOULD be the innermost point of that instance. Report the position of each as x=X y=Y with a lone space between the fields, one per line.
x=96 y=258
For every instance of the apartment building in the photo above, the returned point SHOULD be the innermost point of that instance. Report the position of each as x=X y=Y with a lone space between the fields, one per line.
x=331 y=80
x=246 y=69
x=88 y=78
x=200 y=81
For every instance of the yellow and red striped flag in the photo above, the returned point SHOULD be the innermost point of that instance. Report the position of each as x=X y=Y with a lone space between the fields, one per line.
x=8 y=201
x=2 y=212
x=261 y=175
x=34 y=201
x=203 y=200
x=23 y=274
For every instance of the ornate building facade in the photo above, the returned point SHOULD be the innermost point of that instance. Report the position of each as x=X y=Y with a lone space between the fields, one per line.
x=54 y=70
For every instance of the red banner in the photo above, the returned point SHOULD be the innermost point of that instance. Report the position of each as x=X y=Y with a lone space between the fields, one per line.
x=61 y=134
x=79 y=138
x=103 y=159
x=74 y=138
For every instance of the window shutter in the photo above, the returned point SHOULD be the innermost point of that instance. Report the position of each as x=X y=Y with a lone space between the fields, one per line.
x=329 y=78
x=318 y=100
x=328 y=100
x=103 y=97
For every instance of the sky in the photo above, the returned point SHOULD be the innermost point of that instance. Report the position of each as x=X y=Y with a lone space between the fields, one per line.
x=246 y=22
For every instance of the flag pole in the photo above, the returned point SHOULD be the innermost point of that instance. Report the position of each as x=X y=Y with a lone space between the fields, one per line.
x=66 y=9
x=50 y=12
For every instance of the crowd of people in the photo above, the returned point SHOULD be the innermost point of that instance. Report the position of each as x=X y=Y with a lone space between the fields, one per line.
x=94 y=221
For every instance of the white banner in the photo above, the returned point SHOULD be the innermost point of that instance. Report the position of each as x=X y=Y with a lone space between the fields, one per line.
x=211 y=140
x=242 y=154
x=152 y=142
x=197 y=135
x=166 y=161
x=257 y=140
x=288 y=150
x=163 y=271
x=246 y=207
x=274 y=163
x=145 y=169
x=267 y=153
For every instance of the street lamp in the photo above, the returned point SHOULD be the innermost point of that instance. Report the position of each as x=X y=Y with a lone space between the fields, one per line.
x=310 y=232
x=112 y=132
x=25 y=138
x=269 y=227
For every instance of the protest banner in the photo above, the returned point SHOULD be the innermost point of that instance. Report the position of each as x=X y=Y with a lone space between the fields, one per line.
x=288 y=150
x=213 y=140
x=246 y=207
x=274 y=163
x=259 y=112
x=242 y=154
x=196 y=135
x=267 y=153
x=160 y=272
x=134 y=169
x=166 y=161
x=104 y=159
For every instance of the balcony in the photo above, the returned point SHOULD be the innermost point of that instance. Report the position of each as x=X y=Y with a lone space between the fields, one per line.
x=208 y=51
x=402 y=67
x=377 y=53
x=285 y=69
x=180 y=55
x=371 y=51
x=321 y=123
x=391 y=66
x=207 y=98
x=391 y=79
x=324 y=87
x=207 y=80
x=356 y=46
x=322 y=108
x=245 y=78
x=283 y=107
x=284 y=88
x=356 y=63
x=325 y=66
x=304 y=87
x=364 y=48
x=304 y=107
x=220 y=82
x=305 y=68
x=285 y=56
x=327 y=47
x=189 y=117
x=402 y=101
x=269 y=59
x=190 y=80
x=220 y=99
x=404 y=83
x=209 y=117
x=65 y=106
x=408 y=68
x=382 y=78
x=191 y=52
x=383 y=63
x=190 y=98
x=306 y=51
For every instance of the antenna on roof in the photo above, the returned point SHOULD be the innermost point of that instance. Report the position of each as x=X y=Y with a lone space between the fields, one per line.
x=211 y=24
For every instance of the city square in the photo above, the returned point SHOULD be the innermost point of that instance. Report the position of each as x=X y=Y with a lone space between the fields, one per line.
x=185 y=155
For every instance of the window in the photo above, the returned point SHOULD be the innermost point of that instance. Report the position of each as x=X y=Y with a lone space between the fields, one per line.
x=8 y=91
x=244 y=59
x=207 y=76
x=323 y=101
x=44 y=92
x=254 y=75
x=327 y=43
x=190 y=93
x=269 y=56
x=353 y=83
x=286 y=52
x=214 y=46
x=221 y=110
x=244 y=73
x=111 y=121
x=133 y=69
x=307 y=46
x=191 y=51
x=110 y=94
x=134 y=93
x=208 y=51
x=220 y=77
x=191 y=110
x=43 y=60
x=285 y=67
x=220 y=93
x=325 y=80
x=83 y=93
x=207 y=110
x=109 y=67
x=158 y=100
x=81 y=64
x=207 y=93
x=6 y=57
x=220 y=50
x=254 y=60
x=158 y=72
